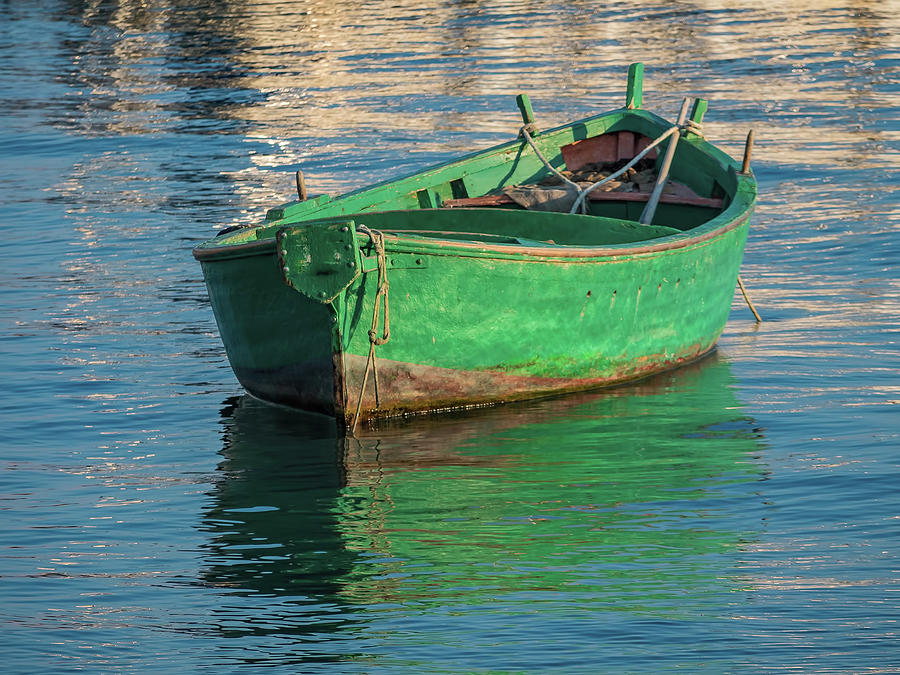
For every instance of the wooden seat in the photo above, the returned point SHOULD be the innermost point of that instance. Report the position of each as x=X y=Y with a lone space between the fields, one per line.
x=676 y=194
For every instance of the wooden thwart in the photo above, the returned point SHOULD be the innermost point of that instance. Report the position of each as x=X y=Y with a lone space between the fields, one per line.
x=687 y=197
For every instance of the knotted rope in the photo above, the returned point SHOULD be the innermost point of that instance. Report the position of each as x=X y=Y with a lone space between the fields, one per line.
x=381 y=297
x=693 y=127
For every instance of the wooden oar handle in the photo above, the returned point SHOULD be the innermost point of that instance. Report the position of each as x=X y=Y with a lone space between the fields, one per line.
x=301 y=186
x=748 y=150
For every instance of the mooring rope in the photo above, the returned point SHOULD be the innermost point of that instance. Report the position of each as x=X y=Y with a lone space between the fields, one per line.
x=580 y=203
x=747 y=300
x=381 y=296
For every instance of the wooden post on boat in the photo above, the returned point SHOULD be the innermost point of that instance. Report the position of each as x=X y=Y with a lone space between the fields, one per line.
x=650 y=209
x=634 y=95
x=696 y=118
x=524 y=104
x=748 y=150
x=301 y=186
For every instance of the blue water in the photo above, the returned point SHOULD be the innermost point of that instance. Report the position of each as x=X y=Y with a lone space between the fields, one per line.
x=739 y=515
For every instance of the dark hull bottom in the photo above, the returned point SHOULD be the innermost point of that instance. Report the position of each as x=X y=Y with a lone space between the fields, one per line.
x=305 y=386
x=412 y=388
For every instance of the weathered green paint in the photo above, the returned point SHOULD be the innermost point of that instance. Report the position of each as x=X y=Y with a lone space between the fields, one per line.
x=260 y=320
x=538 y=325
x=315 y=202
x=486 y=305
x=524 y=104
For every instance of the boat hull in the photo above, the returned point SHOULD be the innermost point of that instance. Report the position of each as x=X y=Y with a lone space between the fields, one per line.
x=475 y=324
x=436 y=291
x=279 y=343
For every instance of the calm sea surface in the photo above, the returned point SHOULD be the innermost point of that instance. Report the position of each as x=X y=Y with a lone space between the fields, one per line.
x=741 y=515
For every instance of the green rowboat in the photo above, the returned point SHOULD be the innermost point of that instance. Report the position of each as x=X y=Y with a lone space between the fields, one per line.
x=441 y=290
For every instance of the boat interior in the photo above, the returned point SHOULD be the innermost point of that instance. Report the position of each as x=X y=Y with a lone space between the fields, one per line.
x=469 y=199
x=513 y=226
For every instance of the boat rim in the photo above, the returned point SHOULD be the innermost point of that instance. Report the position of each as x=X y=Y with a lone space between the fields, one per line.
x=734 y=215
x=210 y=251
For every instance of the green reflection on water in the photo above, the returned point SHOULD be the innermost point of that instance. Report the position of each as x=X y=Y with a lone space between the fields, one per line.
x=615 y=500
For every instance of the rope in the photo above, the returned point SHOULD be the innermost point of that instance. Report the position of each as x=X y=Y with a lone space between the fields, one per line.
x=524 y=132
x=381 y=296
x=582 y=195
x=747 y=300
x=693 y=127
x=580 y=204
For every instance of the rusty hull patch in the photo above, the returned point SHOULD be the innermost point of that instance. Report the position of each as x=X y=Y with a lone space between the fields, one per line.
x=406 y=388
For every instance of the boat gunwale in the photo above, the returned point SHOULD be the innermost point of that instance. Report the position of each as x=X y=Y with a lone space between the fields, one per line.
x=518 y=144
x=463 y=248
x=737 y=212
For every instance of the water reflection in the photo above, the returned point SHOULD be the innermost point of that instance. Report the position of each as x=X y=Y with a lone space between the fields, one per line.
x=351 y=97
x=614 y=500
x=134 y=128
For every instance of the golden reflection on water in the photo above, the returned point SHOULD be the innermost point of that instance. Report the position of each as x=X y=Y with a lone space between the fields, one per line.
x=409 y=81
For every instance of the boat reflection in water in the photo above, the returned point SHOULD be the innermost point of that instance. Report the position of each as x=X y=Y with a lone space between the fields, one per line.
x=610 y=500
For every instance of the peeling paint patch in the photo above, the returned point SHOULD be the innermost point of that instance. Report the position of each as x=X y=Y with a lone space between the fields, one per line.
x=407 y=387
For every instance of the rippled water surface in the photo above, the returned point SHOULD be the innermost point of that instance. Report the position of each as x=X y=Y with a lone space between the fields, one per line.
x=739 y=515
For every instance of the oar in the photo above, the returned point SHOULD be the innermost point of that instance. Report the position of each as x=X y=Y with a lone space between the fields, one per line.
x=650 y=208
